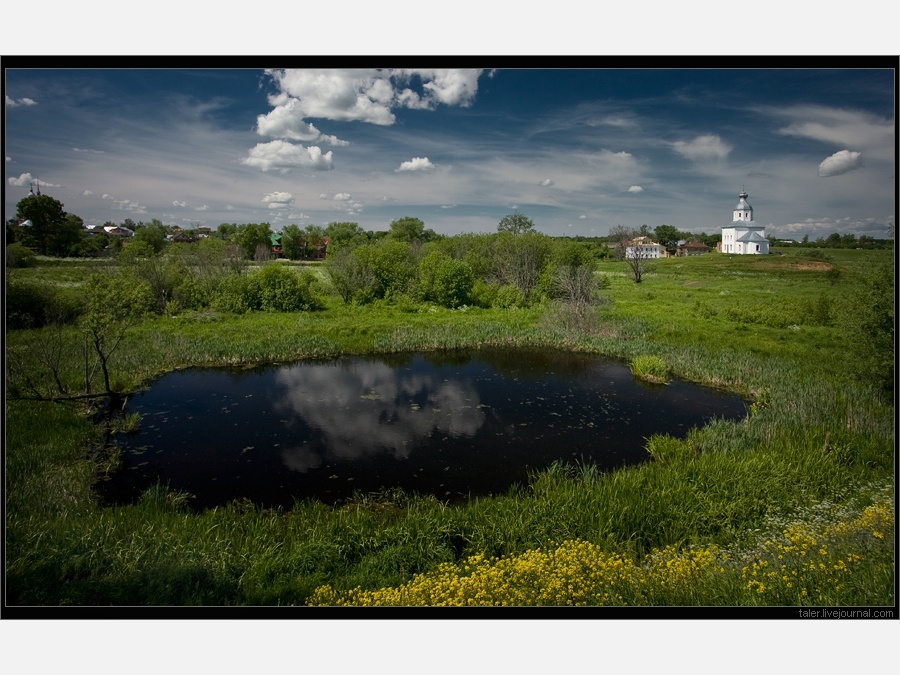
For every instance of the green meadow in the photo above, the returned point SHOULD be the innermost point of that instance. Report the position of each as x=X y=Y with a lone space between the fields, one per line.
x=791 y=506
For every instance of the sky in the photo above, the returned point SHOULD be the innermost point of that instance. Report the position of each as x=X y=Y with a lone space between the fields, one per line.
x=577 y=150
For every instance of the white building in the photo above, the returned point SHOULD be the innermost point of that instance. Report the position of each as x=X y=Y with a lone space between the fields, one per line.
x=744 y=236
x=643 y=247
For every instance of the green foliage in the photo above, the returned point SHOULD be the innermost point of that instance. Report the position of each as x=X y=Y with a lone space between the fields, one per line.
x=19 y=255
x=650 y=368
x=407 y=229
x=668 y=236
x=32 y=304
x=869 y=318
x=351 y=276
x=515 y=223
x=344 y=235
x=393 y=264
x=278 y=289
x=254 y=239
x=152 y=234
x=52 y=231
x=446 y=281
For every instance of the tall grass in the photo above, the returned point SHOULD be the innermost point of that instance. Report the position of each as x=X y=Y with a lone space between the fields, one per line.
x=816 y=449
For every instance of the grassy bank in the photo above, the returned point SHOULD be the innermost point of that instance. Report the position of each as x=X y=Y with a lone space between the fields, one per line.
x=812 y=465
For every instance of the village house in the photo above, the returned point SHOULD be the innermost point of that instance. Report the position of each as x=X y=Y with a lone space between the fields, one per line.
x=689 y=248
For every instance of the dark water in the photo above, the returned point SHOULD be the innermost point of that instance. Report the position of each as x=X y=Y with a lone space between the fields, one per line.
x=453 y=425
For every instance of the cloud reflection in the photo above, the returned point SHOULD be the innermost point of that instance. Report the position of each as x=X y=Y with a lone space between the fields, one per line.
x=363 y=408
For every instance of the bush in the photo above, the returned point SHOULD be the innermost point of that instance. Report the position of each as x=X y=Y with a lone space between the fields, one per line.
x=446 y=281
x=273 y=288
x=33 y=305
x=19 y=255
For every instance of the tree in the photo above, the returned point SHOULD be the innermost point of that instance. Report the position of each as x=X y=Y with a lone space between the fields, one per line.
x=637 y=260
x=515 y=223
x=343 y=235
x=445 y=280
x=111 y=307
x=153 y=234
x=253 y=237
x=293 y=243
x=52 y=231
x=407 y=229
x=668 y=236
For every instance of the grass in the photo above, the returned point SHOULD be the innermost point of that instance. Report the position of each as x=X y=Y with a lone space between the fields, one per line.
x=815 y=453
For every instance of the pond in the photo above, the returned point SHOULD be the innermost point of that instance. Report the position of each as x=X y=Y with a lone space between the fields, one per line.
x=455 y=425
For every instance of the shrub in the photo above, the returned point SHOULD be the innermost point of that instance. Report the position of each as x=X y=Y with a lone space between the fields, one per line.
x=446 y=281
x=19 y=255
x=33 y=305
x=278 y=289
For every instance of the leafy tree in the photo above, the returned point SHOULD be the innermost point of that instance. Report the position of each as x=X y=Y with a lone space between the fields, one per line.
x=314 y=238
x=668 y=236
x=111 y=307
x=293 y=243
x=407 y=229
x=351 y=276
x=343 y=235
x=393 y=264
x=519 y=260
x=52 y=231
x=154 y=235
x=252 y=237
x=515 y=223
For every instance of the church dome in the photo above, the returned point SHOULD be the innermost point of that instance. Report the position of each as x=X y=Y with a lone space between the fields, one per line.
x=743 y=205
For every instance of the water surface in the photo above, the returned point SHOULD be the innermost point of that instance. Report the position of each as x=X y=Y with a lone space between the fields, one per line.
x=455 y=425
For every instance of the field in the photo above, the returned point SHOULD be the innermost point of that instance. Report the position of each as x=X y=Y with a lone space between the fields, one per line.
x=791 y=506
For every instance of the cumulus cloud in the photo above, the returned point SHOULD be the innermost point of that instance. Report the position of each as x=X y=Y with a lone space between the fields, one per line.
x=26 y=179
x=547 y=182
x=416 y=164
x=635 y=189
x=840 y=162
x=339 y=197
x=15 y=103
x=179 y=204
x=277 y=197
x=705 y=147
x=284 y=156
x=201 y=208
x=87 y=193
x=92 y=152
x=23 y=179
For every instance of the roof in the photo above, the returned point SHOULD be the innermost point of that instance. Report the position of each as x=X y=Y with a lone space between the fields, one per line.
x=752 y=235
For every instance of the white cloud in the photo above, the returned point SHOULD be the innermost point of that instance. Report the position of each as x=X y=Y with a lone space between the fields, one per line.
x=547 y=182
x=92 y=152
x=23 y=179
x=706 y=147
x=277 y=197
x=87 y=193
x=179 y=204
x=416 y=164
x=15 y=103
x=285 y=156
x=841 y=127
x=635 y=189
x=201 y=208
x=339 y=197
x=840 y=162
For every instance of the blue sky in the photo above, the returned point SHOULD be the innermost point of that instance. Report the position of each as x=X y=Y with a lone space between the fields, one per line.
x=577 y=150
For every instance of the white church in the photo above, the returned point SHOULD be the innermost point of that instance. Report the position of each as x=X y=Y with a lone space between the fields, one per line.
x=744 y=236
